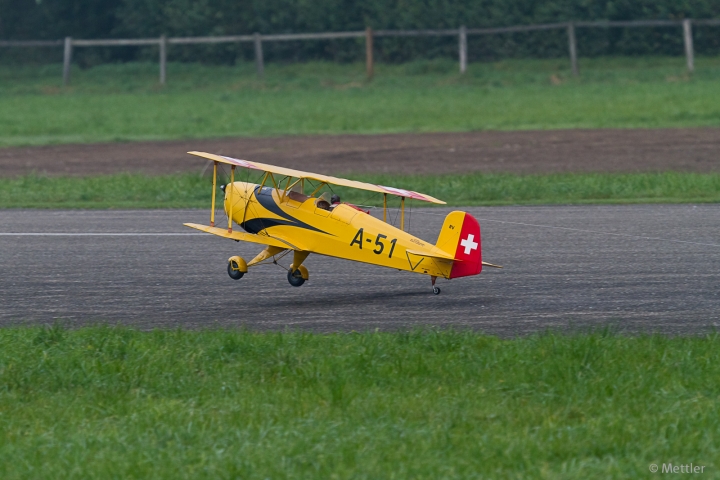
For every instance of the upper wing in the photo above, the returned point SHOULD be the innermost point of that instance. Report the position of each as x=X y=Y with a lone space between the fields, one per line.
x=321 y=178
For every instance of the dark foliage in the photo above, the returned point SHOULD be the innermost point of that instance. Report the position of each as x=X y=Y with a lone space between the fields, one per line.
x=45 y=19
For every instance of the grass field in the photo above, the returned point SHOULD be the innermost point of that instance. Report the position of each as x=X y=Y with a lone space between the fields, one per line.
x=193 y=191
x=124 y=102
x=119 y=403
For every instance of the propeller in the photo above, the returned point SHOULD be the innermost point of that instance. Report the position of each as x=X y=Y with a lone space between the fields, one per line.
x=223 y=173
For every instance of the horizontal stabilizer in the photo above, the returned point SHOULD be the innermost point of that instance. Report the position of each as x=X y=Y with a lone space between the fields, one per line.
x=242 y=236
x=438 y=255
x=486 y=264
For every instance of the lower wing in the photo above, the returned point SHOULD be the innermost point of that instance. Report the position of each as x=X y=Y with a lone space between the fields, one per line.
x=243 y=237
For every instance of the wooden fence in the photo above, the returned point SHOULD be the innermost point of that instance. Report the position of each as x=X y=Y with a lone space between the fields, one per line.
x=368 y=34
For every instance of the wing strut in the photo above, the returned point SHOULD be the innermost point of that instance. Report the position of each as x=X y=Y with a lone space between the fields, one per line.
x=402 y=213
x=385 y=207
x=232 y=182
x=212 y=211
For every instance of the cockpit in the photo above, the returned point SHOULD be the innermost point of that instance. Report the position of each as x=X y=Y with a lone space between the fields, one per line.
x=327 y=201
x=323 y=201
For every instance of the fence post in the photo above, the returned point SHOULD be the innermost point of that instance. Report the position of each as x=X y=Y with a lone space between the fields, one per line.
x=369 y=68
x=67 y=58
x=572 y=44
x=259 y=62
x=689 y=52
x=163 y=59
x=463 y=49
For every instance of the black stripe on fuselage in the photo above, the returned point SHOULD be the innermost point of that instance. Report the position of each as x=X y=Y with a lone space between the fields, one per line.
x=268 y=202
x=257 y=225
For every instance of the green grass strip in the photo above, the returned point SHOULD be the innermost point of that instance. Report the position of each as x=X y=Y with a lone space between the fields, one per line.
x=122 y=102
x=193 y=191
x=120 y=403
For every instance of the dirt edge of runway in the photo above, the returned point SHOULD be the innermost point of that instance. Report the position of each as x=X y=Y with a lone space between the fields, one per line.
x=519 y=152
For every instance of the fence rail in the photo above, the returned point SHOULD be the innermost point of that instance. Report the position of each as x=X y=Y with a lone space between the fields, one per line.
x=115 y=43
x=30 y=43
x=415 y=33
x=257 y=39
x=631 y=23
x=518 y=28
x=198 y=40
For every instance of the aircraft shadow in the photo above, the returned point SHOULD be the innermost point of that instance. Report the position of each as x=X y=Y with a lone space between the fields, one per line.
x=377 y=299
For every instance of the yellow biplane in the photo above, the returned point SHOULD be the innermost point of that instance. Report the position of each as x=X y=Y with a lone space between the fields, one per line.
x=279 y=214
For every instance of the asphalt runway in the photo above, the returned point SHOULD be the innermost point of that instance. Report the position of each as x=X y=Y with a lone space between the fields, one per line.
x=649 y=268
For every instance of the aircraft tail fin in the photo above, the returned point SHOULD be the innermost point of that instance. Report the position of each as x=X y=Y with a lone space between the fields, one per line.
x=460 y=238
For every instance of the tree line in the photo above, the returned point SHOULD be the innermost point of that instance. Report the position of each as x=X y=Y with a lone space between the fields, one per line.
x=54 y=19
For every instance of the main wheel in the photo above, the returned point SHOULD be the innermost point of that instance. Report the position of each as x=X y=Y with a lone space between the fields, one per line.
x=295 y=278
x=234 y=274
x=436 y=290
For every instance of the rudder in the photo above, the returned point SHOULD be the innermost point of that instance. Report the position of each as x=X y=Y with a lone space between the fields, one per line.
x=460 y=237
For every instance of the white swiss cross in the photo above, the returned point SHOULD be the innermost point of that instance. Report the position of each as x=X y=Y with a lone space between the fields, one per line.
x=469 y=243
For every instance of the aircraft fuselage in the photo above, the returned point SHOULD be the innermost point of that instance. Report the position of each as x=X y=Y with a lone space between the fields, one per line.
x=342 y=232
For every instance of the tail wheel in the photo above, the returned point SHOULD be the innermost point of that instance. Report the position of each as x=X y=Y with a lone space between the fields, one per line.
x=295 y=278
x=233 y=269
x=436 y=290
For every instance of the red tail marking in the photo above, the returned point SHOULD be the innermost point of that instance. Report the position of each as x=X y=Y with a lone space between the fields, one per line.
x=468 y=254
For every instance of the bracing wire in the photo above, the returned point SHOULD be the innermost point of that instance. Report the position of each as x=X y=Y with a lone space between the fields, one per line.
x=409 y=210
x=273 y=260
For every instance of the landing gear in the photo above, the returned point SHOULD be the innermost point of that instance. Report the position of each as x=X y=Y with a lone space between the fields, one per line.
x=295 y=278
x=234 y=274
x=298 y=275
x=236 y=267
x=436 y=290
